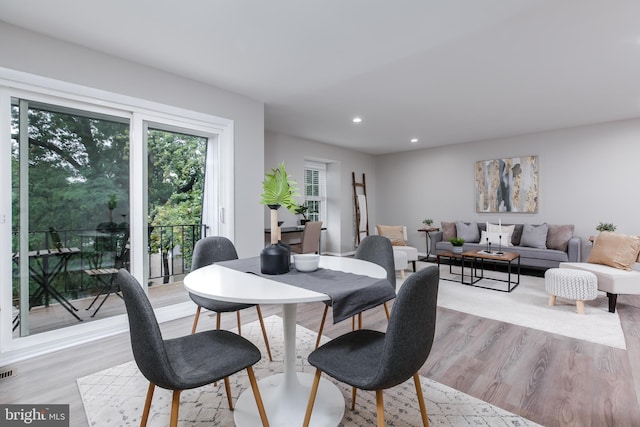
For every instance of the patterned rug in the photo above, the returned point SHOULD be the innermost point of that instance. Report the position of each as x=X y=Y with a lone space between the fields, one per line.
x=115 y=396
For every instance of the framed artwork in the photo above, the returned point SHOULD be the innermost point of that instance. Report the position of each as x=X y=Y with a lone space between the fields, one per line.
x=507 y=185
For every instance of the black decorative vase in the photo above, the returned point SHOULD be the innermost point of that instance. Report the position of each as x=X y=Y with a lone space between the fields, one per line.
x=274 y=259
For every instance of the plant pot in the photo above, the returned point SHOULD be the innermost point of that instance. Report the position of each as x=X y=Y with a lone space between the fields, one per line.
x=303 y=221
x=274 y=259
x=457 y=250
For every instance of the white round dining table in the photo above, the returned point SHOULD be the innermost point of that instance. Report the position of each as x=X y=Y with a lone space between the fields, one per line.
x=285 y=395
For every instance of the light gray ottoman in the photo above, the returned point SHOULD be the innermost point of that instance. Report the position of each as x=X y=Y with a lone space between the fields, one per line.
x=566 y=283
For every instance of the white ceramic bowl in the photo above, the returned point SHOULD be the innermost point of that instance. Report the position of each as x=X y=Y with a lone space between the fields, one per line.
x=306 y=262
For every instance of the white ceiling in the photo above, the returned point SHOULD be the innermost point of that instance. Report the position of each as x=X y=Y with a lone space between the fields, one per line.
x=442 y=71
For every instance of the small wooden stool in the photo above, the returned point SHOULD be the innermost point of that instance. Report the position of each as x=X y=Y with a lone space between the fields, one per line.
x=572 y=284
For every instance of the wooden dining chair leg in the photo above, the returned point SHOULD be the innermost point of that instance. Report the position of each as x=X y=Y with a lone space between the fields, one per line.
x=239 y=323
x=218 y=316
x=359 y=320
x=264 y=332
x=386 y=311
x=420 y=396
x=257 y=396
x=195 y=321
x=380 y=408
x=147 y=405
x=354 y=391
x=312 y=398
x=227 y=389
x=175 y=407
x=324 y=317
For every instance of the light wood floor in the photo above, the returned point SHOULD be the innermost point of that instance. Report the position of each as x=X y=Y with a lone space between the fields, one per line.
x=549 y=379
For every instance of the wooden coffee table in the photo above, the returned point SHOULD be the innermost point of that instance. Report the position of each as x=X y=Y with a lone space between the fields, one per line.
x=478 y=258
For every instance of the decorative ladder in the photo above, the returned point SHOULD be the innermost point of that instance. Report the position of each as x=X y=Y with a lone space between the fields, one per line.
x=359 y=214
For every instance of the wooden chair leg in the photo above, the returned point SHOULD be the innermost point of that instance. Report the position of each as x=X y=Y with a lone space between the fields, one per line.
x=386 y=311
x=264 y=332
x=353 y=398
x=380 y=408
x=360 y=320
x=552 y=300
x=218 y=318
x=227 y=389
x=580 y=306
x=324 y=316
x=147 y=405
x=175 y=407
x=258 y=397
x=195 y=320
x=239 y=323
x=312 y=398
x=423 y=408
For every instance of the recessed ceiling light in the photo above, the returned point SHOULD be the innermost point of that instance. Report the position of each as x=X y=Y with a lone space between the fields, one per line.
x=357 y=119
x=414 y=140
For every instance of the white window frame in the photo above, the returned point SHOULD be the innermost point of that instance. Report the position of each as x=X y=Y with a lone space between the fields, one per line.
x=140 y=112
x=322 y=198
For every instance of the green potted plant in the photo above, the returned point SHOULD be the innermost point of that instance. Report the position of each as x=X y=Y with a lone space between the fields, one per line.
x=302 y=210
x=457 y=243
x=278 y=190
x=427 y=222
x=605 y=226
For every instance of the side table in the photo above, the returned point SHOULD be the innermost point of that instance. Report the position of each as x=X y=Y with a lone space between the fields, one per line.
x=428 y=230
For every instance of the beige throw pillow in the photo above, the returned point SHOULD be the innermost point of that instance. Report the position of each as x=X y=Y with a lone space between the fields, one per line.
x=448 y=230
x=559 y=236
x=615 y=250
x=392 y=232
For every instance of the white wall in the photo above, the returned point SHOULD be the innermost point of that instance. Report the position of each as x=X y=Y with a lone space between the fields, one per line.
x=586 y=175
x=340 y=235
x=33 y=53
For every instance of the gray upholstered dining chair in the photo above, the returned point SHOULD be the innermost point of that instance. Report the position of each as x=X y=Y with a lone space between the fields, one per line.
x=186 y=362
x=206 y=252
x=378 y=250
x=373 y=360
x=310 y=242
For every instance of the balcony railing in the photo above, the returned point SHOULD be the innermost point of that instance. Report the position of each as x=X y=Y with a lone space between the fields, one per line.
x=170 y=250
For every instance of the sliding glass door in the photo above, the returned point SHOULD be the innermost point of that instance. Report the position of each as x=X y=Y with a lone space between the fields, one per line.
x=70 y=210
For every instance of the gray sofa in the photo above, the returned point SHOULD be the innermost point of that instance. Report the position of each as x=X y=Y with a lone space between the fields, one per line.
x=561 y=245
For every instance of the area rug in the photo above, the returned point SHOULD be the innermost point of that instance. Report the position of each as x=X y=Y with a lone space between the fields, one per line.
x=527 y=306
x=115 y=396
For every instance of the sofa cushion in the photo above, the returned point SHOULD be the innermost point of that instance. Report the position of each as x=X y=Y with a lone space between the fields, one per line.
x=495 y=238
x=517 y=234
x=393 y=233
x=615 y=250
x=610 y=279
x=448 y=230
x=506 y=231
x=534 y=236
x=558 y=236
x=468 y=231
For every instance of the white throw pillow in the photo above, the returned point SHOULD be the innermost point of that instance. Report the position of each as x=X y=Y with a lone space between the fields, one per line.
x=494 y=238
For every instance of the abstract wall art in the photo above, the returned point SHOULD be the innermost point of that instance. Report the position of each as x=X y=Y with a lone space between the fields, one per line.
x=507 y=185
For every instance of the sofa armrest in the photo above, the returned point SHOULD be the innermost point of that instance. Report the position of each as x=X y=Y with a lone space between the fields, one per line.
x=435 y=236
x=574 y=249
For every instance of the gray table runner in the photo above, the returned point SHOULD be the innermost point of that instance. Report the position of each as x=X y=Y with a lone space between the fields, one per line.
x=350 y=293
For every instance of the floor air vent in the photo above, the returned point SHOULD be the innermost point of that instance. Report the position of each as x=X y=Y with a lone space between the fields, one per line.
x=5 y=373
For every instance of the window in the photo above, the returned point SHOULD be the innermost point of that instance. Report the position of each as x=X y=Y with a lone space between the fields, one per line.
x=76 y=192
x=315 y=195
